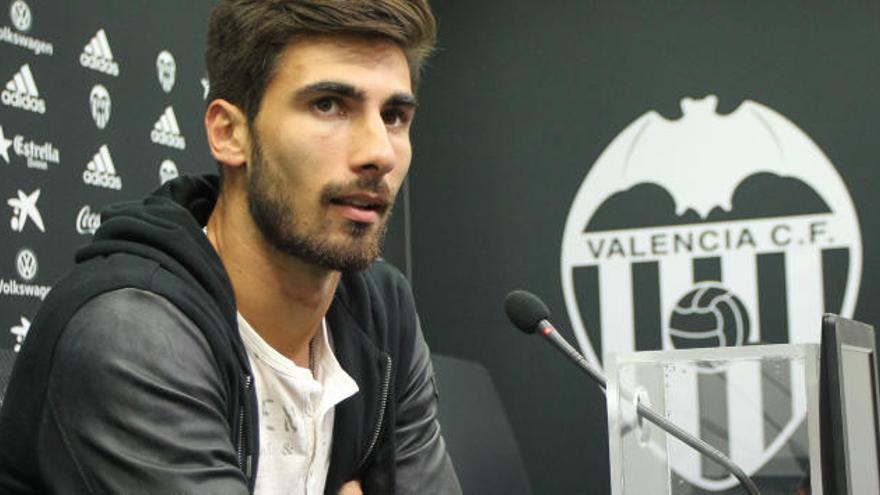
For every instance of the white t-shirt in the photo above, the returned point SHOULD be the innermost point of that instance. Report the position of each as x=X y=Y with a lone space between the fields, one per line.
x=296 y=413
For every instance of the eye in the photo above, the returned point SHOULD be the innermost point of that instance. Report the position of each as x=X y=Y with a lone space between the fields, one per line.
x=397 y=117
x=327 y=105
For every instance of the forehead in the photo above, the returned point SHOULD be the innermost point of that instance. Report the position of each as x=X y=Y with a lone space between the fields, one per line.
x=365 y=63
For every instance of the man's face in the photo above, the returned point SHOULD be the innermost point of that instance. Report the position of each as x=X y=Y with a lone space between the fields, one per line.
x=330 y=148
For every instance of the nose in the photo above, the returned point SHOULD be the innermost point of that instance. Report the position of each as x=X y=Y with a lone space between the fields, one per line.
x=373 y=147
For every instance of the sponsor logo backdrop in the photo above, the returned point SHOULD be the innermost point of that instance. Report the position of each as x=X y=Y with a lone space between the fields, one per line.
x=80 y=96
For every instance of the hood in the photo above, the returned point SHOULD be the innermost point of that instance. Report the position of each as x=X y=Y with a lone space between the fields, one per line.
x=166 y=227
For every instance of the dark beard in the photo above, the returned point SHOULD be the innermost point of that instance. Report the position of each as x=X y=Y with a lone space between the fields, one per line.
x=273 y=214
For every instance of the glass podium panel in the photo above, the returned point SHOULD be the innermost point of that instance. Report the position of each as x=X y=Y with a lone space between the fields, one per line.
x=758 y=405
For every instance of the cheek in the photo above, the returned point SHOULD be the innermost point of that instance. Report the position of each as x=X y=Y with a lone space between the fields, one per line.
x=315 y=155
x=296 y=158
x=403 y=152
x=397 y=176
x=406 y=155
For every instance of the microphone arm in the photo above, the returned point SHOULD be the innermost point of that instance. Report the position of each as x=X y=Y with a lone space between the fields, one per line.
x=547 y=330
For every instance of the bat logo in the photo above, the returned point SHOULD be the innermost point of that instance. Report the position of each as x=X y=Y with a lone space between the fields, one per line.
x=100 y=104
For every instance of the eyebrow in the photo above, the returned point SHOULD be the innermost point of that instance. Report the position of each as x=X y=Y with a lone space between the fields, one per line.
x=348 y=91
x=402 y=100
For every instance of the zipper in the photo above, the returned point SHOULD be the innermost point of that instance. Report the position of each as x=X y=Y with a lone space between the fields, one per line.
x=244 y=460
x=383 y=402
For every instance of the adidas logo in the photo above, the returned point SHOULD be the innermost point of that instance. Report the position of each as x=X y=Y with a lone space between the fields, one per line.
x=100 y=171
x=96 y=55
x=166 y=131
x=21 y=92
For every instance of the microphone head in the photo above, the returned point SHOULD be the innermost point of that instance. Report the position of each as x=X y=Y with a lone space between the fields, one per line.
x=525 y=310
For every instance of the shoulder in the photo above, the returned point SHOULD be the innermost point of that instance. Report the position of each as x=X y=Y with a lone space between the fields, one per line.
x=132 y=330
x=135 y=399
x=128 y=351
x=127 y=314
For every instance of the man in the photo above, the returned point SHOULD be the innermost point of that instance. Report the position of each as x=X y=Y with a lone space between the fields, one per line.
x=235 y=336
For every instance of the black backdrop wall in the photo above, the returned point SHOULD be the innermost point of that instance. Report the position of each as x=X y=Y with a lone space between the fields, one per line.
x=520 y=110
x=613 y=157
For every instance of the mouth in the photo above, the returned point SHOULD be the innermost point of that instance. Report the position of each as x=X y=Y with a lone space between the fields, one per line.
x=362 y=207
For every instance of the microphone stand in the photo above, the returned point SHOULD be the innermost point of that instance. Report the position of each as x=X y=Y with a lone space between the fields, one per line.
x=547 y=330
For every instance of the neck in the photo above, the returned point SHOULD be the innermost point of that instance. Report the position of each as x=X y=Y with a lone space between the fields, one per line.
x=282 y=297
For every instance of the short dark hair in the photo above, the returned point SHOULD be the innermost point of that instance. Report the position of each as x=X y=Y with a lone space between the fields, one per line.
x=246 y=37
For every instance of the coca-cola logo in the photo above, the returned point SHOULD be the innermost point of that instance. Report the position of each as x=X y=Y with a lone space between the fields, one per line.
x=86 y=221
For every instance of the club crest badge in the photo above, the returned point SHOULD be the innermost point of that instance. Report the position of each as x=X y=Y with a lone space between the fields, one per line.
x=710 y=230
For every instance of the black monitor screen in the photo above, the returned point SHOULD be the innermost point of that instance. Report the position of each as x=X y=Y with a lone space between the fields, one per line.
x=850 y=408
x=861 y=429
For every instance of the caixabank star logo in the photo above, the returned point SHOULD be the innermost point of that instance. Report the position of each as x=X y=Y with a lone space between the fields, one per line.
x=705 y=231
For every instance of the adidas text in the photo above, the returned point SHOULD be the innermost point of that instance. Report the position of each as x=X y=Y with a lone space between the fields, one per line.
x=102 y=179
x=23 y=101
x=99 y=64
x=167 y=139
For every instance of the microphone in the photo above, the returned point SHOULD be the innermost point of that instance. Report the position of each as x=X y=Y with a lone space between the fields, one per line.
x=529 y=314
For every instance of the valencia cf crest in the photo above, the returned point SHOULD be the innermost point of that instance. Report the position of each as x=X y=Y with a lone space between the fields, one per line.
x=705 y=231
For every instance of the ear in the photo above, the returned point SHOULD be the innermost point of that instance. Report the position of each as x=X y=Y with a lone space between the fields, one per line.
x=228 y=133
